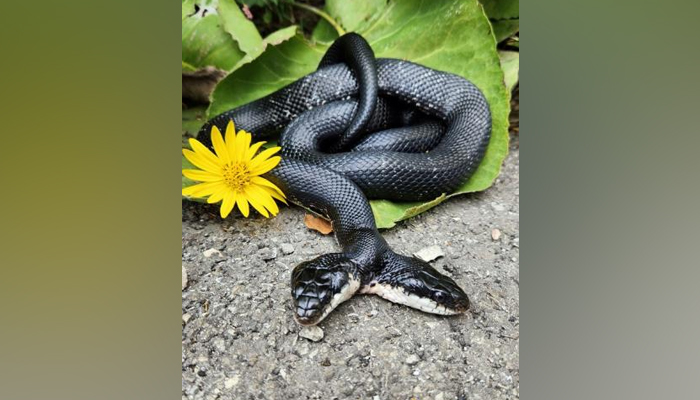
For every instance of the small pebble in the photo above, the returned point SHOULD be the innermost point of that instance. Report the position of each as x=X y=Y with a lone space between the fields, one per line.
x=313 y=333
x=287 y=248
x=428 y=254
x=210 y=252
x=498 y=207
x=440 y=396
x=495 y=234
x=268 y=254
x=186 y=317
x=219 y=344
x=231 y=382
x=184 y=278
x=412 y=359
x=416 y=372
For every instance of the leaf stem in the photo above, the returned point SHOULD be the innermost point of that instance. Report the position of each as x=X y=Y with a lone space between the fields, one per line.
x=323 y=15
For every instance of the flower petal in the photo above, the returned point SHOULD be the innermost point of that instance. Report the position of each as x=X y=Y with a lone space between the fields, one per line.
x=247 y=137
x=219 y=194
x=264 y=182
x=250 y=152
x=201 y=189
x=259 y=207
x=243 y=205
x=263 y=156
x=219 y=145
x=266 y=166
x=203 y=151
x=259 y=197
x=201 y=162
x=227 y=205
x=231 y=139
x=230 y=128
x=274 y=194
x=202 y=176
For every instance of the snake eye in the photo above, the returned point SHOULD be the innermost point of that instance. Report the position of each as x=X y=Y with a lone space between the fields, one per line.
x=439 y=296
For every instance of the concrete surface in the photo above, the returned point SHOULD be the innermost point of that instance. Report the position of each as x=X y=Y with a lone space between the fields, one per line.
x=240 y=341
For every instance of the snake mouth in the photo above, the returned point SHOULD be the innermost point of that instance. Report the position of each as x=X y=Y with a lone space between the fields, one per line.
x=320 y=285
x=306 y=320
x=314 y=307
x=433 y=302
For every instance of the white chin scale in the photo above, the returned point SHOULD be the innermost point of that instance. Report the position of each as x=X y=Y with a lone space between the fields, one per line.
x=401 y=296
x=345 y=293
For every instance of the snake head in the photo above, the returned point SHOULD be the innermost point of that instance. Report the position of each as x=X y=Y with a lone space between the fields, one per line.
x=413 y=282
x=320 y=285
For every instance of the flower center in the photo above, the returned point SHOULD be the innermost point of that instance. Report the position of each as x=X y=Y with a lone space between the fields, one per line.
x=236 y=176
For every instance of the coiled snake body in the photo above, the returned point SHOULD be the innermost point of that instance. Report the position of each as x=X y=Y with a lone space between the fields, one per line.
x=361 y=128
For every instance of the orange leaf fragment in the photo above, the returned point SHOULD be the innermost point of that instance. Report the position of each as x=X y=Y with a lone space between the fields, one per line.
x=318 y=224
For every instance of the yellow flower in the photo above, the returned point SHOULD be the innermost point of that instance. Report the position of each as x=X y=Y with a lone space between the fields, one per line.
x=232 y=175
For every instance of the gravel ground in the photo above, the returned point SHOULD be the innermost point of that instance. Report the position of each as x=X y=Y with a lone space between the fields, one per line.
x=240 y=341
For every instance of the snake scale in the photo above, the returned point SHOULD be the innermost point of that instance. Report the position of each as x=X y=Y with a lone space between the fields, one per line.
x=359 y=128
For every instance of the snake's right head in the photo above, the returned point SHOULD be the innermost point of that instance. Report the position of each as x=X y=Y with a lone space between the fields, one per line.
x=320 y=285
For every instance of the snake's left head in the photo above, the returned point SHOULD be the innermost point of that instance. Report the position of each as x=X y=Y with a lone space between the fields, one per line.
x=320 y=285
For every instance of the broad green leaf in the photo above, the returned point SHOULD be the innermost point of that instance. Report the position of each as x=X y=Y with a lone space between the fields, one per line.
x=504 y=15
x=323 y=32
x=218 y=35
x=353 y=15
x=505 y=28
x=272 y=39
x=453 y=36
x=206 y=43
x=241 y=29
x=510 y=63
x=192 y=119
x=387 y=213
x=502 y=9
x=187 y=8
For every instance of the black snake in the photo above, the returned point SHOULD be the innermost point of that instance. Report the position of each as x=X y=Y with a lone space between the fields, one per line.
x=361 y=128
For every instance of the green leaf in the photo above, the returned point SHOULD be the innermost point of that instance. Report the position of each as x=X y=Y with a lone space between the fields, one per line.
x=218 y=35
x=354 y=15
x=502 y=9
x=505 y=28
x=323 y=32
x=272 y=39
x=206 y=43
x=187 y=8
x=351 y=15
x=453 y=36
x=504 y=15
x=510 y=63
x=387 y=213
x=241 y=29
x=192 y=119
